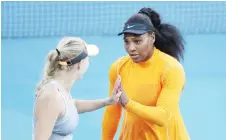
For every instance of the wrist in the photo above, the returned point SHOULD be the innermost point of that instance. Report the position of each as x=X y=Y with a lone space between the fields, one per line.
x=125 y=102
x=128 y=105
x=106 y=101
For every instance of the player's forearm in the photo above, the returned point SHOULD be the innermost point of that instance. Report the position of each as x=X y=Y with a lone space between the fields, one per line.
x=110 y=122
x=90 y=105
x=153 y=114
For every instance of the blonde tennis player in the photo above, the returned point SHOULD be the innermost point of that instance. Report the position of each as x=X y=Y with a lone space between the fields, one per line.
x=55 y=112
x=152 y=80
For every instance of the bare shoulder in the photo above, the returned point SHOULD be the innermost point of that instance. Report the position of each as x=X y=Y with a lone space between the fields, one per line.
x=49 y=92
x=49 y=98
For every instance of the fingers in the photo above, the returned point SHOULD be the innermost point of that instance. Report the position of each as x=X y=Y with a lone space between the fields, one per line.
x=121 y=87
x=119 y=94
x=118 y=81
x=117 y=84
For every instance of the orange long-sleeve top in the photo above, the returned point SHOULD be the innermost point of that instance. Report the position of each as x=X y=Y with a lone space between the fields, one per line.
x=154 y=88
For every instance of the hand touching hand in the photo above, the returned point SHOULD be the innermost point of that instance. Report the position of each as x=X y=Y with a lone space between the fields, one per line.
x=117 y=85
x=123 y=100
x=114 y=98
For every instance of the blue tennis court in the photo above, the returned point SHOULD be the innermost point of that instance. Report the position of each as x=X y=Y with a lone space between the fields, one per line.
x=31 y=29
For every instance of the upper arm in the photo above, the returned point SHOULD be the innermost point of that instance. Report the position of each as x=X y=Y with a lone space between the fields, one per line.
x=173 y=81
x=47 y=109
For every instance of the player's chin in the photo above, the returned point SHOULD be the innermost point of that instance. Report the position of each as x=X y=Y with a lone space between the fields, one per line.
x=136 y=60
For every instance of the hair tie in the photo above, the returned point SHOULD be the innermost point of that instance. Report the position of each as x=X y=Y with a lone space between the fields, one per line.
x=58 y=52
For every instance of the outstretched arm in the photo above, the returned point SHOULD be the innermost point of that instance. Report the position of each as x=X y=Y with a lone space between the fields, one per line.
x=91 y=105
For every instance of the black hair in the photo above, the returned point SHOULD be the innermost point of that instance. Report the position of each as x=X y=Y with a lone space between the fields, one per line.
x=168 y=38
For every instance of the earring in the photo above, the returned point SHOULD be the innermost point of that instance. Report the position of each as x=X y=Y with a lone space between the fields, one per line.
x=153 y=39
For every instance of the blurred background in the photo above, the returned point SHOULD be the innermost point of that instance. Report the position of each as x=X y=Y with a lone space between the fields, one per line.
x=31 y=29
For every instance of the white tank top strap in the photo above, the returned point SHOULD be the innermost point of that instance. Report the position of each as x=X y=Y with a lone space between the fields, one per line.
x=65 y=101
x=38 y=92
x=59 y=87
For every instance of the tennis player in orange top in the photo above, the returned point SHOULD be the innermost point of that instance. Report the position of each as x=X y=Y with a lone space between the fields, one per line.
x=151 y=79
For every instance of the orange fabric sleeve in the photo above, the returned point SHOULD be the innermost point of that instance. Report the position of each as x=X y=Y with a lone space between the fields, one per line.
x=112 y=113
x=172 y=84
